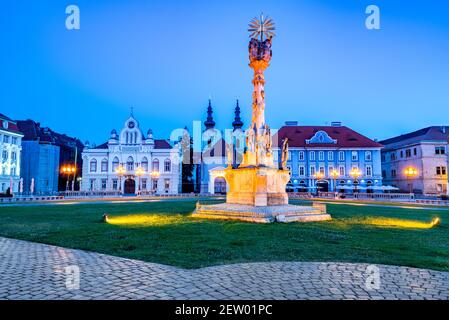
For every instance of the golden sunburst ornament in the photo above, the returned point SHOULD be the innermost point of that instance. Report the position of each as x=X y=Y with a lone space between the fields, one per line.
x=260 y=27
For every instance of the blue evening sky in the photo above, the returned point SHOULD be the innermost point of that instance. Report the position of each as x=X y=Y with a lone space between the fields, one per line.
x=165 y=58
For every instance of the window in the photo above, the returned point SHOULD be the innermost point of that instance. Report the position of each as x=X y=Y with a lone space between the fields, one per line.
x=408 y=153
x=92 y=185
x=354 y=156
x=167 y=184
x=167 y=165
x=14 y=140
x=6 y=139
x=384 y=174
x=302 y=171
x=393 y=156
x=13 y=171
x=104 y=184
x=402 y=153
x=301 y=155
x=156 y=165
x=441 y=171
x=393 y=173
x=368 y=155
x=145 y=164
x=330 y=156
x=5 y=155
x=322 y=170
x=341 y=170
x=13 y=157
x=369 y=171
x=312 y=155
x=93 y=165
x=440 y=150
x=144 y=184
x=312 y=170
x=154 y=182
x=130 y=164
x=114 y=184
x=115 y=164
x=104 y=165
x=341 y=156
x=415 y=151
x=321 y=156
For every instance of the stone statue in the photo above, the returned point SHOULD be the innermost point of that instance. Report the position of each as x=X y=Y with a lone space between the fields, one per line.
x=284 y=158
x=260 y=50
x=267 y=136
x=251 y=139
x=229 y=153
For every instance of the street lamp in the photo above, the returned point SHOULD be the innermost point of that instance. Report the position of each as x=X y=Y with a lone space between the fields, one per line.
x=121 y=171
x=139 y=172
x=355 y=174
x=68 y=170
x=410 y=173
x=335 y=174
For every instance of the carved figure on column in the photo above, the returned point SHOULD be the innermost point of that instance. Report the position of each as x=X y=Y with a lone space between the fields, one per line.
x=284 y=158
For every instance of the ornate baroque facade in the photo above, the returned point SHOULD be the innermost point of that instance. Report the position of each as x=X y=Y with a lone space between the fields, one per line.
x=131 y=163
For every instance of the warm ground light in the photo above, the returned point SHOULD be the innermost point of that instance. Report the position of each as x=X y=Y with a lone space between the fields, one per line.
x=164 y=232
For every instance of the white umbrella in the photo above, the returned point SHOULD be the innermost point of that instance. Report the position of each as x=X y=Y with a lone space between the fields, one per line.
x=345 y=187
x=21 y=186
x=390 y=188
x=32 y=186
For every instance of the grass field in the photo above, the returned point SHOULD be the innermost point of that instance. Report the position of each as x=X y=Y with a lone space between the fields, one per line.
x=164 y=232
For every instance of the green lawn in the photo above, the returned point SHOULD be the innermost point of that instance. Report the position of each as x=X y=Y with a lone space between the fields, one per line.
x=164 y=232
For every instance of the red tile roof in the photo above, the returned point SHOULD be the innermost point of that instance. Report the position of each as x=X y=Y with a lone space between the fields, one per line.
x=346 y=137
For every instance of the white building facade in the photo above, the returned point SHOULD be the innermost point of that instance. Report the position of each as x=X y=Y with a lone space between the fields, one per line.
x=10 y=152
x=132 y=164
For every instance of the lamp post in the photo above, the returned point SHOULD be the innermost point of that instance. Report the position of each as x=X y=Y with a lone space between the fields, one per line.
x=355 y=174
x=334 y=174
x=68 y=170
x=121 y=171
x=410 y=173
x=139 y=172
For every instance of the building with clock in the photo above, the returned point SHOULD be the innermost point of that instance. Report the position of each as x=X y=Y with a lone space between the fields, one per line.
x=131 y=163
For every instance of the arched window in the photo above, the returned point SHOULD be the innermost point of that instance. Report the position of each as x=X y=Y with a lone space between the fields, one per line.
x=156 y=165
x=130 y=164
x=167 y=165
x=115 y=164
x=104 y=165
x=93 y=165
x=145 y=164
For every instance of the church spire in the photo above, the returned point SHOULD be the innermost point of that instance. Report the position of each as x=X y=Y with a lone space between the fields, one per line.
x=237 y=123
x=210 y=123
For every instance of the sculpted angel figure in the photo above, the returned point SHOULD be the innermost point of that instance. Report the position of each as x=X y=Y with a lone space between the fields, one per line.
x=229 y=154
x=250 y=139
x=267 y=136
x=284 y=158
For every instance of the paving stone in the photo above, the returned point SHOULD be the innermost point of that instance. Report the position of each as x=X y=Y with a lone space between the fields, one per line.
x=37 y=271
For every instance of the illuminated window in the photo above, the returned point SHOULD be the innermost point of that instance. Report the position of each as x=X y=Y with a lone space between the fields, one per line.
x=167 y=165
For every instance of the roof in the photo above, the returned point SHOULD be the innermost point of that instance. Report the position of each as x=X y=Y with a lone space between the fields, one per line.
x=334 y=137
x=34 y=132
x=434 y=133
x=12 y=125
x=158 y=144
x=162 y=144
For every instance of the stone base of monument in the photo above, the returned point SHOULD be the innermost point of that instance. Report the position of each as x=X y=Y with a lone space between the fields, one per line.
x=282 y=213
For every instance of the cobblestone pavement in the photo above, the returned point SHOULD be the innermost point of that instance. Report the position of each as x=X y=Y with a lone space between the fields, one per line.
x=36 y=271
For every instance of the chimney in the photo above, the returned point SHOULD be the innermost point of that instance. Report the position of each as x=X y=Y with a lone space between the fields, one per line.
x=336 y=124
x=291 y=123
